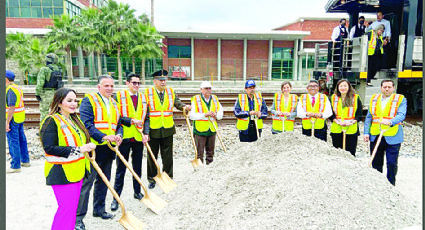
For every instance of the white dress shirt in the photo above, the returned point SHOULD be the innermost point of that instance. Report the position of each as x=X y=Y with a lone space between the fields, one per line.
x=301 y=113
x=193 y=115
x=106 y=101
x=336 y=32
x=353 y=30
x=386 y=23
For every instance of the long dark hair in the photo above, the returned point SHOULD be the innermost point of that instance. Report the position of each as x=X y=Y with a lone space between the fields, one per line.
x=58 y=98
x=348 y=101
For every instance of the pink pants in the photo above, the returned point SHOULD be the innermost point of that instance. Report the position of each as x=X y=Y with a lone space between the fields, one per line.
x=67 y=196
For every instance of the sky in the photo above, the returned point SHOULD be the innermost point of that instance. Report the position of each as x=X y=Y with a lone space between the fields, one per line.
x=228 y=15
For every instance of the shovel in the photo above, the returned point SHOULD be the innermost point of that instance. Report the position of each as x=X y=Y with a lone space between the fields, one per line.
x=164 y=181
x=283 y=123
x=196 y=162
x=256 y=127
x=127 y=220
x=218 y=135
x=312 y=120
x=150 y=199
x=377 y=145
x=344 y=136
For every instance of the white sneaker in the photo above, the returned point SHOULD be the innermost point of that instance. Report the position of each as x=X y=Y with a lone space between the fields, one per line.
x=26 y=164
x=11 y=170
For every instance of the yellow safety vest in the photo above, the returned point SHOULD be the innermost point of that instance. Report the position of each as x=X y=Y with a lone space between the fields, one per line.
x=125 y=104
x=347 y=113
x=160 y=114
x=105 y=123
x=372 y=44
x=201 y=107
x=19 y=114
x=280 y=105
x=389 y=112
x=319 y=107
x=242 y=123
x=73 y=166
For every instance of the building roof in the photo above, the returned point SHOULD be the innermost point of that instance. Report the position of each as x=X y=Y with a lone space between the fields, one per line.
x=237 y=35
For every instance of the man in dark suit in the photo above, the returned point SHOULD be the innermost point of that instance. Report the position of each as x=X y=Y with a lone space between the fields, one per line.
x=100 y=114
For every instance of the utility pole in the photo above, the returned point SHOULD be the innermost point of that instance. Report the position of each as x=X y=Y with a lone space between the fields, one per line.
x=152 y=12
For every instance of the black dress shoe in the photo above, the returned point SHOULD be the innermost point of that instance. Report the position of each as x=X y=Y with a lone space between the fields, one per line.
x=114 y=205
x=152 y=185
x=104 y=215
x=138 y=196
x=79 y=225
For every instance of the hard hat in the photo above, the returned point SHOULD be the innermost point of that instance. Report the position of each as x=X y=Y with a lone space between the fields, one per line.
x=249 y=83
x=10 y=75
x=206 y=84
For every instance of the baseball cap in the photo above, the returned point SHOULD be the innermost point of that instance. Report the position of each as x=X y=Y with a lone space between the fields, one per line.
x=249 y=83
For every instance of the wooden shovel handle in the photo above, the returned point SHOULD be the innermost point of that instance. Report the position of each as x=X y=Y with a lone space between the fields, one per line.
x=218 y=135
x=150 y=152
x=376 y=146
x=190 y=133
x=115 y=149
x=105 y=180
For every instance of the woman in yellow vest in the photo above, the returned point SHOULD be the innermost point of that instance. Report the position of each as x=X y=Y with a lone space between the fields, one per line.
x=284 y=109
x=347 y=112
x=64 y=140
x=375 y=52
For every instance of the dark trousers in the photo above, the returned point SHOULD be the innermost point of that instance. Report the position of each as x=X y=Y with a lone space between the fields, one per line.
x=249 y=135
x=206 y=143
x=100 y=189
x=136 y=161
x=392 y=158
x=319 y=133
x=350 y=142
x=373 y=66
x=164 y=144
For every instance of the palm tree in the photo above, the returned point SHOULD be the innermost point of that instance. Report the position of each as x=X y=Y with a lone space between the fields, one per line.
x=63 y=34
x=118 y=20
x=147 y=45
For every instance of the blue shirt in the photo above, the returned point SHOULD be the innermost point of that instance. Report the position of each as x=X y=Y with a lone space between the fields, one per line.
x=11 y=98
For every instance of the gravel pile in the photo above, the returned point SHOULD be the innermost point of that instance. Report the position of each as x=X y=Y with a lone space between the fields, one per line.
x=286 y=181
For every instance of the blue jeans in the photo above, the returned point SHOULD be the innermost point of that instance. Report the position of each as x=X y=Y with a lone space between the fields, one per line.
x=17 y=142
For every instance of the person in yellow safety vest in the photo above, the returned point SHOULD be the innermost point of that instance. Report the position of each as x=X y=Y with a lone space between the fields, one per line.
x=15 y=117
x=65 y=140
x=347 y=112
x=386 y=112
x=161 y=101
x=249 y=107
x=283 y=109
x=101 y=116
x=375 y=52
x=133 y=106
x=205 y=106
x=314 y=108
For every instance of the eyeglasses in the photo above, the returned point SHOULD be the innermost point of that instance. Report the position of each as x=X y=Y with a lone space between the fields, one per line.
x=135 y=83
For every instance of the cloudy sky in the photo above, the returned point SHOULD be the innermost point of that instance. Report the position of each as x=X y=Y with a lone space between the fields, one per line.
x=228 y=15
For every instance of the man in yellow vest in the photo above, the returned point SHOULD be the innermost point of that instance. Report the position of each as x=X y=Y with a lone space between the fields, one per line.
x=15 y=117
x=101 y=116
x=314 y=108
x=133 y=107
x=386 y=112
x=248 y=108
x=375 y=52
x=205 y=107
x=161 y=101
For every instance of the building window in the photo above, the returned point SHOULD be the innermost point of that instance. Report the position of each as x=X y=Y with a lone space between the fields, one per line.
x=282 y=63
x=72 y=9
x=33 y=8
x=179 y=51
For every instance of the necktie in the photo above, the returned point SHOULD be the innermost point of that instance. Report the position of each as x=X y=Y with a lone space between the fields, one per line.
x=313 y=101
x=161 y=96
x=134 y=98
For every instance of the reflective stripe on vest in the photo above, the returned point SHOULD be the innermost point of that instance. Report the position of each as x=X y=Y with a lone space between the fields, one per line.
x=160 y=114
x=125 y=102
x=388 y=113
x=372 y=44
x=201 y=107
x=105 y=123
x=242 y=123
x=319 y=107
x=73 y=167
x=19 y=113
x=347 y=113
x=282 y=106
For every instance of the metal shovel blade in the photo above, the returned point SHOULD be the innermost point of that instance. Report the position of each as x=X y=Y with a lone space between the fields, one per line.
x=130 y=222
x=196 y=163
x=165 y=182
x=154 y=202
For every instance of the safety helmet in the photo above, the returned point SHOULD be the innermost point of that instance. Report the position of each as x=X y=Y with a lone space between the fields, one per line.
x=52 y=58
x=249 y=83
